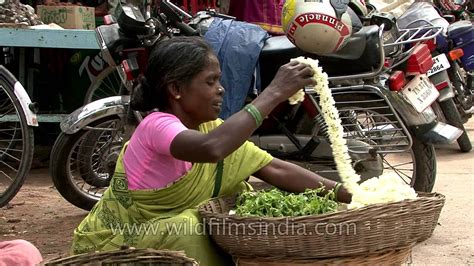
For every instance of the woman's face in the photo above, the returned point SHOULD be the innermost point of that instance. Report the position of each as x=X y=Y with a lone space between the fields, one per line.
x=202 y=98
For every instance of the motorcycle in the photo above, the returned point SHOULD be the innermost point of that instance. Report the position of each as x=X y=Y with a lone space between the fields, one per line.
x=383 y=130
x=455 y=10
x=451 y=49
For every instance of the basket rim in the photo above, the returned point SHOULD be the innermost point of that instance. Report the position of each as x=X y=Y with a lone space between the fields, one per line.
x=108 y=256
x=405 y=248
x=422 y=196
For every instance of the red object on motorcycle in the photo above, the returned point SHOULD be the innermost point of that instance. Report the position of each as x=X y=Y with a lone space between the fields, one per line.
x=140 y=55
x=450 y=5
x=420 y=61
x=456 y=54
x=397 y=81
x=109 y=19
x=442 y=85
x=130 y=67
x=309 y=106
x=431 y=44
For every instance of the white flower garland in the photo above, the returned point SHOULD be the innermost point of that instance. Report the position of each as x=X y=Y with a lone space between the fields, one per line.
x=386 y=188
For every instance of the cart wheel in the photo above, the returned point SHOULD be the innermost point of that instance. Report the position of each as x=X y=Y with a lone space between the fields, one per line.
x=16 y=140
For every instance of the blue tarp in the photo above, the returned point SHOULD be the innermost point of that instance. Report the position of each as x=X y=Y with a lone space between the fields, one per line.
x=237 y=46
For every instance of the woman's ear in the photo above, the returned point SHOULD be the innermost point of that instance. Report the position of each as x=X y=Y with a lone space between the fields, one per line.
x=174 y=90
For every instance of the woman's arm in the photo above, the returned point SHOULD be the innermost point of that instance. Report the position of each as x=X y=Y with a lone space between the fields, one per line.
x=193 y=146
x=293 y=178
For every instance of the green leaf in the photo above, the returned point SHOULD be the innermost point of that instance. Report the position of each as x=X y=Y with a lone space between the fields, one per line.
x=277 y=203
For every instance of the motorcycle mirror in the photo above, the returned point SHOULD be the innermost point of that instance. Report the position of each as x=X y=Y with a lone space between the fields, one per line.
x=131 y=20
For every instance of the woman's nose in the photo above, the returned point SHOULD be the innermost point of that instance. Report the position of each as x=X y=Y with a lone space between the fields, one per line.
x=221 y=90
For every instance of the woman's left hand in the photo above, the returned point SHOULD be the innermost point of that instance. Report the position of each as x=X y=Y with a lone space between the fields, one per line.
x=293 y=178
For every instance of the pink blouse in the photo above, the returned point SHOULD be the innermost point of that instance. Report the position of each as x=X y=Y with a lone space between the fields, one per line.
x=148 y=161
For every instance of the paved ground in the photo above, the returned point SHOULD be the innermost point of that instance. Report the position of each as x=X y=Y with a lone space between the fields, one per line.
x=452 y=242
x=40 y=215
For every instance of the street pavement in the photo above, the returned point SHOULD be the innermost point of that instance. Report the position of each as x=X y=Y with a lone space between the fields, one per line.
x=452 y=242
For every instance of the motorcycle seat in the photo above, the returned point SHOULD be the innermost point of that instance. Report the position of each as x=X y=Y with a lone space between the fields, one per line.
x=278 y=45
x=458 y=28
x=360 y=54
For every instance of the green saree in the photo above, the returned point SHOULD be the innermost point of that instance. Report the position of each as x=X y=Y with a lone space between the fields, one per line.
x=166 y=218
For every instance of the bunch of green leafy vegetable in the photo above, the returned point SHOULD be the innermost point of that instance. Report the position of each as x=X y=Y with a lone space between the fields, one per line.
x=278 y=203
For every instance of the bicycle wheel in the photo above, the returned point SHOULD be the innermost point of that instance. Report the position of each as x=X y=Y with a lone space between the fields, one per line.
x=16 y=140
x=107 y=83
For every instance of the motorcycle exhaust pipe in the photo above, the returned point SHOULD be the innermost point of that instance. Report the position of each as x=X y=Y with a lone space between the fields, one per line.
x=438 y=133
x=425 y=126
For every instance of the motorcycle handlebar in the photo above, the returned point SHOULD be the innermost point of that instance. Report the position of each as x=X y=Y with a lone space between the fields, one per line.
x=174 y=13
x=187 y=30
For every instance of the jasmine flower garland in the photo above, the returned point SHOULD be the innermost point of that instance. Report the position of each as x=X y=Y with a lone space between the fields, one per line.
x=386 y=188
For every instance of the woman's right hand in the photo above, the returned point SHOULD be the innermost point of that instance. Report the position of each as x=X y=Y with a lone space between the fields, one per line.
x=289 y=79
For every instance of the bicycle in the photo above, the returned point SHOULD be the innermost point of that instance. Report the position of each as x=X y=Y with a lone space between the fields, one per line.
x=17 y=119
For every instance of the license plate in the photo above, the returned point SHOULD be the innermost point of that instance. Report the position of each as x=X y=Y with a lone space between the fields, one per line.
x=420 y=92
x=440 y=63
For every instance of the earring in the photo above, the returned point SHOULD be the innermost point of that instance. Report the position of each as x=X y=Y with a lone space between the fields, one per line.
x=177 y=97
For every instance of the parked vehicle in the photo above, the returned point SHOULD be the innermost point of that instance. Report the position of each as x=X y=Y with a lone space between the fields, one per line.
x=384 y=131
x=455 y=10
x=17 y=119
x=451 y=49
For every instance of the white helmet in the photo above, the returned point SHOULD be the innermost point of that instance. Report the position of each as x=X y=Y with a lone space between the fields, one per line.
x=319 y=27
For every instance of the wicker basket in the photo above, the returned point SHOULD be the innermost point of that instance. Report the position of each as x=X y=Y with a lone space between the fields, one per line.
x=129 y=256
x=344 y=233
x=390 y=257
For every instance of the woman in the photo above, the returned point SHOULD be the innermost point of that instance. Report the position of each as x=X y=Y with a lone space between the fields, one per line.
x=19 y=252
x=183 y=155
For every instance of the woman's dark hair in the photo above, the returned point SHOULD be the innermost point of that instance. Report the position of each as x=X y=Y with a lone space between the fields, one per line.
x=176 y=60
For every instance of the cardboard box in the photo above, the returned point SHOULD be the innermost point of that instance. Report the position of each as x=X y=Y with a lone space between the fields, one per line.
x=68 y=17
